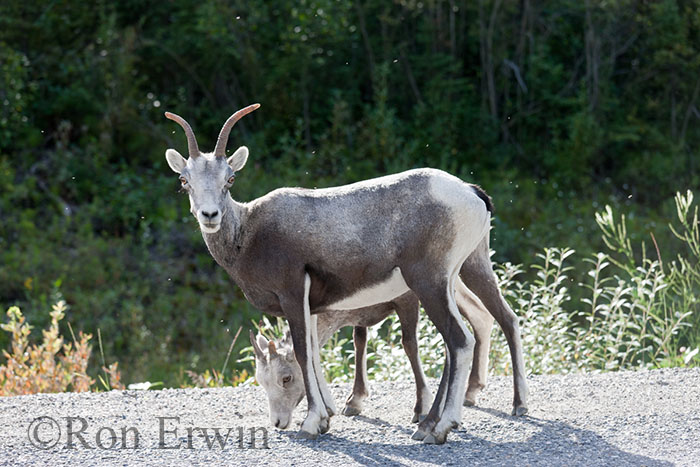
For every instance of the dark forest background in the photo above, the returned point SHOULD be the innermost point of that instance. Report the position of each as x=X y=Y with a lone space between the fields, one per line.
x=556 y=108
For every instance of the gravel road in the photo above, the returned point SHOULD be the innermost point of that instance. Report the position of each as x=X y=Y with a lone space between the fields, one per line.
x=625 y=418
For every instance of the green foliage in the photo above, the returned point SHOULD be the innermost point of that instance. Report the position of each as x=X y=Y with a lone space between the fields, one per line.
x=555 y=109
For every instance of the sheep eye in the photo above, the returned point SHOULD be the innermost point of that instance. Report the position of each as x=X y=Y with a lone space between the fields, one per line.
x=183 y=180
x=231 y=179
x=286 y=380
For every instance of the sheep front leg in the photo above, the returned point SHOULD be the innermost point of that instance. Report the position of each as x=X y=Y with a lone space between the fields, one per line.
x=299 y=317
x=320 y=378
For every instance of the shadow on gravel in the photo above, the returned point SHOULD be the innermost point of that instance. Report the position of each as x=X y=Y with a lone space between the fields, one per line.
x=383 y=423
x=552 y=443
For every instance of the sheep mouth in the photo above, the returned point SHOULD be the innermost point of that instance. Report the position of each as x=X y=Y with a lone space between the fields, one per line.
x=209 y=228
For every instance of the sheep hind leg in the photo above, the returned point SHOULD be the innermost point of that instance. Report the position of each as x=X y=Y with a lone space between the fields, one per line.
x=477 y=273
x=439 y=303
x=353 y=406
x=460 y=345
x=481 y=322
x=408 y=311
x=426 y=425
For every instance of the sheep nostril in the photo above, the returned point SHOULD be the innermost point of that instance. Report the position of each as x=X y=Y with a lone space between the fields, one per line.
x=210 y=215
x=277 y=424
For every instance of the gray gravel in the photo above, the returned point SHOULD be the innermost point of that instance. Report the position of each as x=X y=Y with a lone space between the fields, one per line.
x=625 y=418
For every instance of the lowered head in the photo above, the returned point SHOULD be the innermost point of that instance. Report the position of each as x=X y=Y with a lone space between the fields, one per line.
x=207 y=177
x=277 y=371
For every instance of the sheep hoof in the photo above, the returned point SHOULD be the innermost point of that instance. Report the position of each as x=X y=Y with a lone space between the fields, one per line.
x=433 y=438
x=325 y=425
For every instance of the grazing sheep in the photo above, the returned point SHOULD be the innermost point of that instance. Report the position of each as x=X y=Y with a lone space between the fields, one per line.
x=277 y=370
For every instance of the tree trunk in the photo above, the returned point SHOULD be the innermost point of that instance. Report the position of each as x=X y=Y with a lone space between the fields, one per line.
x=487 y=61
x=365 y=38
x=592 y=45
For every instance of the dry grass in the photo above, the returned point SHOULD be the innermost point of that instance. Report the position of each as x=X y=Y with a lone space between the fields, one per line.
x=51 y=365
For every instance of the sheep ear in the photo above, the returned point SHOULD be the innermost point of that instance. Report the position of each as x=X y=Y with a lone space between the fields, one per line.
x=262 y=341
x=238 y=159
x=176 y=162
x=257 y=349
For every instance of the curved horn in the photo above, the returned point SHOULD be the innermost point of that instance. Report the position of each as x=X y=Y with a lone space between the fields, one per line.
x=220 y=149
x=191 y=140
x=272 y=348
